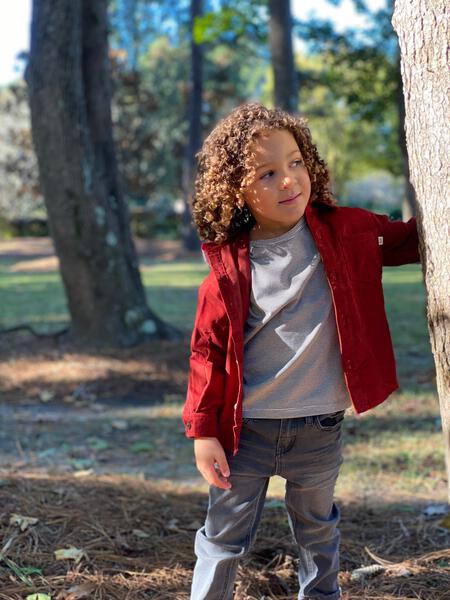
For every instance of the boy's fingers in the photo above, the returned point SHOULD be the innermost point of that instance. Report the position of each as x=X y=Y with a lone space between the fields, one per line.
x=222 y=475
x=223 y=465
x=214 y=477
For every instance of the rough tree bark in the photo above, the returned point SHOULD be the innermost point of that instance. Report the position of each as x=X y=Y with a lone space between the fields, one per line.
x=69 y=88
x=423 y=30
x=280 y=39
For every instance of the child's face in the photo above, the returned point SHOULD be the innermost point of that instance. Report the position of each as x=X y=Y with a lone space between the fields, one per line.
x=280 y=174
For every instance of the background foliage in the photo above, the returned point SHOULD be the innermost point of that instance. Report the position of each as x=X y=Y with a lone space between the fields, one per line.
x=347 y=85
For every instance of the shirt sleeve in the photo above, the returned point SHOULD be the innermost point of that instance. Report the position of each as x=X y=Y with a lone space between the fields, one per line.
x=399 y=241
x=206 y=366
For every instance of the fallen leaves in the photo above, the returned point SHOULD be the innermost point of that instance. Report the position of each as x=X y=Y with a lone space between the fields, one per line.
x=46 y=395
x=22 y=521
x=76 y=592
x=71 y=553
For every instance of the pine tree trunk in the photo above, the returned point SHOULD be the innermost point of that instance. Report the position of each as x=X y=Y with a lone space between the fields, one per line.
x=423 y=30
x=280 y=38
x=69 y=88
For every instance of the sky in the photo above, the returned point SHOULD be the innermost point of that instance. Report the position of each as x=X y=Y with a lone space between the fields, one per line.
x=15 y=26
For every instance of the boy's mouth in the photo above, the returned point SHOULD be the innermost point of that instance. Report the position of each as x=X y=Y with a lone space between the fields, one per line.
x=291 y=199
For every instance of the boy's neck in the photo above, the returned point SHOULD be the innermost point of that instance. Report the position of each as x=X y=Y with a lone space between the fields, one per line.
x=257 y=234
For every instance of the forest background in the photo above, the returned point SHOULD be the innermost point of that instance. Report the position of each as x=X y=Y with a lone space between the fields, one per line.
x=348 y=89
x=95 y=468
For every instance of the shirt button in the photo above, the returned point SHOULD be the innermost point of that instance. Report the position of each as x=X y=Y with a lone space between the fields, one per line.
x=348 y=364
x=189 y=425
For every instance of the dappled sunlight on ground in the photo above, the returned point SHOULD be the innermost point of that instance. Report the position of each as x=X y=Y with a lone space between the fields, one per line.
x=133 y=538
x=34 y=366
x=41 y=265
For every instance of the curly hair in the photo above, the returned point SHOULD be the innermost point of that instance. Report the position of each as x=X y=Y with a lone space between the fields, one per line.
x=219 y=210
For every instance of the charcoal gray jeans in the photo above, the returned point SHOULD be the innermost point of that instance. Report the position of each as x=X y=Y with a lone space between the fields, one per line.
x=307 y=452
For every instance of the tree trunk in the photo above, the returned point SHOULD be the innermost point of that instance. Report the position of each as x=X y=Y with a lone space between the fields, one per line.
x=68 y=78
x=280 y=39
x=194 y=111
x=423 y=30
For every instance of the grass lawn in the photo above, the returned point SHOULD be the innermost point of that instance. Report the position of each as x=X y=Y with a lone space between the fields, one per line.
x=37 y=298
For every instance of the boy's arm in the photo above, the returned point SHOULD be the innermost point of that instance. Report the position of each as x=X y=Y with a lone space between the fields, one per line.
x=206 y=365
x=399 y=241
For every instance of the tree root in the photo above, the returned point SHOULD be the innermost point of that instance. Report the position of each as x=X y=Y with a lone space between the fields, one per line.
x=33 y=332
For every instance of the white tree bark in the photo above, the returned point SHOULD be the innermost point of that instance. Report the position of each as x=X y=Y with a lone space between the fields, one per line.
x=423 y=30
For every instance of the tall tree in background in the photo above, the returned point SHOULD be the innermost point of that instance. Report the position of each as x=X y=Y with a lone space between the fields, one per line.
x=69 y=87
x=250 y=19
x=280 y=39
x=409 y=195
x=367 y=74
x=194 y=141
x=423 y=29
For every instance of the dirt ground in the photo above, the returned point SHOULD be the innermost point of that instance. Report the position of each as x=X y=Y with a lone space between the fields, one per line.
x=99 y=497
x=65 y=411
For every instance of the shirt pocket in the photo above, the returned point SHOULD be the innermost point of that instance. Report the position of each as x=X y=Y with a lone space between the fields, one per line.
x=362 y=254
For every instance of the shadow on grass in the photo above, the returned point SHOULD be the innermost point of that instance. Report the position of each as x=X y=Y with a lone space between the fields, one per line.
x=136 y=542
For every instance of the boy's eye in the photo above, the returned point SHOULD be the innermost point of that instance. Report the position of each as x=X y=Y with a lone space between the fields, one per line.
x=298 y=161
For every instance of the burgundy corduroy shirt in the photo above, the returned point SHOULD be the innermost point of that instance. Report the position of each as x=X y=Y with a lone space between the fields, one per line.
x=354 y=244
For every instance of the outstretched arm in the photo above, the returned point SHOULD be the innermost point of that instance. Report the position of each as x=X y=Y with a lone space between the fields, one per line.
x=399 y=241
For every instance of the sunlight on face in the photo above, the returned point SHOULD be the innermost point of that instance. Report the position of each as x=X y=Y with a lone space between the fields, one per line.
x=280 y=175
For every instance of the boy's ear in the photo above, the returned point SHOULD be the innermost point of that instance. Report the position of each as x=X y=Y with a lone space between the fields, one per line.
x=240 y=202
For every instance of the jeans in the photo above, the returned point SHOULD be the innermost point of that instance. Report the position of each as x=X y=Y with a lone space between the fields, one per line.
x=307 y=452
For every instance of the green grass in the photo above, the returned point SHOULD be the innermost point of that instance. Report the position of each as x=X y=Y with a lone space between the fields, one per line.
x=405 y=306
x=38 y=298
x=172 y=289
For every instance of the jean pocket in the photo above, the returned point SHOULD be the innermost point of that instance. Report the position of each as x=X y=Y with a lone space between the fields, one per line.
x=330 y=421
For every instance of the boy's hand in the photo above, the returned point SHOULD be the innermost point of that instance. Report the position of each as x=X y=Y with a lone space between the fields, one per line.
x=211 y=462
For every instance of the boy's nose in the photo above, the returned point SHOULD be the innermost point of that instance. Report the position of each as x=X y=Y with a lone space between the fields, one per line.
x=286 y=182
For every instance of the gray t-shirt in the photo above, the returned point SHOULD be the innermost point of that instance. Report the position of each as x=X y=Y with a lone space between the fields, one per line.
x=292 y=363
